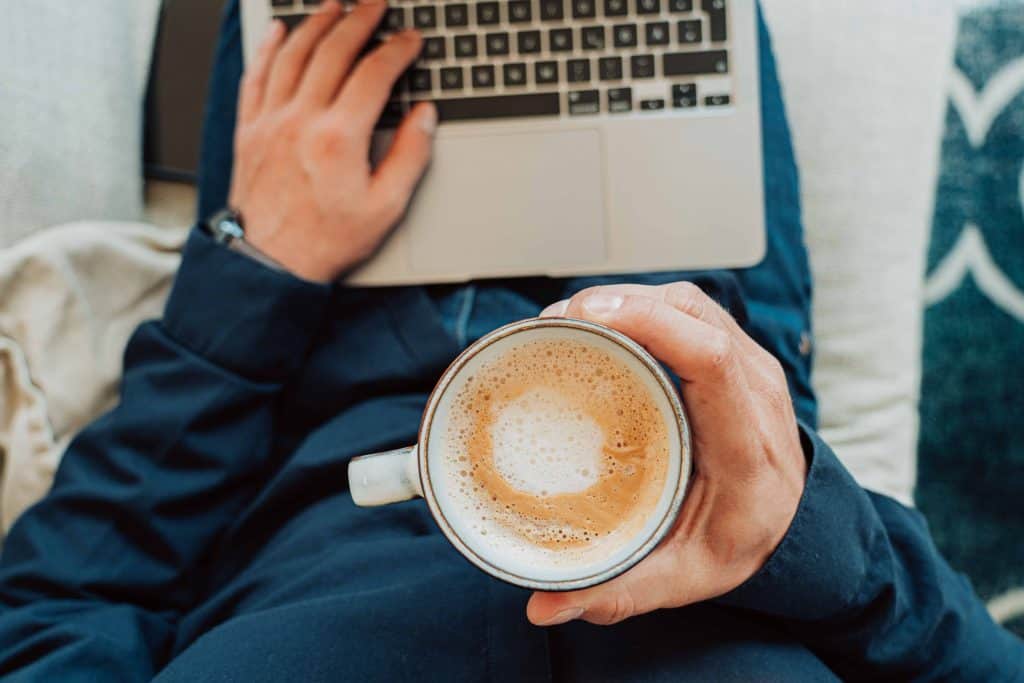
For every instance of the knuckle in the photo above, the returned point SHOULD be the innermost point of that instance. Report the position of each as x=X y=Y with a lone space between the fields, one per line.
x=688 y=298
x=720 y=351
x=620 y=608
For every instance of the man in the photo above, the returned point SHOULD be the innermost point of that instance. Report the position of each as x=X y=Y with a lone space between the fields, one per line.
x=202 y=530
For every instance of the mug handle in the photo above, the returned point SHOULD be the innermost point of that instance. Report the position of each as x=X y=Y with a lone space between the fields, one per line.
x=385 y=478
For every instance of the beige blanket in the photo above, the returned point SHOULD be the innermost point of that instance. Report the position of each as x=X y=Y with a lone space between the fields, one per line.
x=69 y=299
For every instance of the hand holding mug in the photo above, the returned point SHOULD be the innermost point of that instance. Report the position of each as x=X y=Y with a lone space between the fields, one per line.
x=306 y=116
x=749 y=467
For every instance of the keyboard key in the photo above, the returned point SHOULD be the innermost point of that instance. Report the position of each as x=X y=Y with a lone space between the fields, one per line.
x=424 y=16
x=456 y=15
x=546 y=72
x=652 y=105
x=451 y=78
x=684 y=95
x=717 y=100
x=694 y=63
x=679 y=6
x=465 y=45
x=641 y=66
x=497 y=44
x=529 y=42
x=620 y=100
x=578 y=70
x=560 y=39
x=609 y=68
x=499 y=107
x=716 y=17
x=483 y=76
x=421 y=80
x=690 y=31
x=615 y=8
x=394 y=19
x=433 y=48
x=551 y=10
x=656 y=33
x=584 y=102
x=487 y=13
x=520 y=11
x=592 y=37
x=290 y=21
x=514 y=73
x=624 y=35
x=584 y=9
x=648 y=6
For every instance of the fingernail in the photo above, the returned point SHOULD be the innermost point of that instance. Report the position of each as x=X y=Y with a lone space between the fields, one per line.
x=564 y=616
x=428 y=118
x=602 y=304
x=556 y=310
x=276 y=29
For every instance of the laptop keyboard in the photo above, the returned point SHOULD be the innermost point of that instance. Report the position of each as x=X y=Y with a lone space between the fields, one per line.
x=511 y=59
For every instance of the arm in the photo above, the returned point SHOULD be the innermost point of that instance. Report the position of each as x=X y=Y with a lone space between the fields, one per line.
x=773 y=524
x=94 y=578
x=859 y=580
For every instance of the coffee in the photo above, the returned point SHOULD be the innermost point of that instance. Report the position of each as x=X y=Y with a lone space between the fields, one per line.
x=557 y=451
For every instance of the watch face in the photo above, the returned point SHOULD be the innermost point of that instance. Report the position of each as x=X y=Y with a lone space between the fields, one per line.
x=229 y=227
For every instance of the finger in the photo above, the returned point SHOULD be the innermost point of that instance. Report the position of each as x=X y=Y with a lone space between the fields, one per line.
x=368 y=88
x=401 y=169
x=687 y=298
x=255 y=81
x=556 y=310
x=336 y=53
x=654 y=583
x=695 y=350
x=294 y=56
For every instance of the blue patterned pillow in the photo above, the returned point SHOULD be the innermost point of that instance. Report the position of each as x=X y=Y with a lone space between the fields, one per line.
x=971 y=456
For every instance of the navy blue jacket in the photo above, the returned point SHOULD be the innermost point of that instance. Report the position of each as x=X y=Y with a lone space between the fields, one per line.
x=202 y=530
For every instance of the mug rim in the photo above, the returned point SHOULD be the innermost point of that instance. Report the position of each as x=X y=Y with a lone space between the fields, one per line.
x=681 y=484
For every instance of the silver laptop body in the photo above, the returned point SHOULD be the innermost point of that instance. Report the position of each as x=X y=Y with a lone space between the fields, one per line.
x=551 y=161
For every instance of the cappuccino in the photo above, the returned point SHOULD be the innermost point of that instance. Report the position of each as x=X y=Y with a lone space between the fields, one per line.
x=554 y=453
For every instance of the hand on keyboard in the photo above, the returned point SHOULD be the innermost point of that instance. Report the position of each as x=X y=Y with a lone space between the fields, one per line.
x=308 y=107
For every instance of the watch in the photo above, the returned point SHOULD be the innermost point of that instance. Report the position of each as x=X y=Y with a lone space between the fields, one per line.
x=226 y=227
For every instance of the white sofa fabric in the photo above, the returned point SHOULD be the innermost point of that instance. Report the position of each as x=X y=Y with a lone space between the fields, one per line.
x=865 y=88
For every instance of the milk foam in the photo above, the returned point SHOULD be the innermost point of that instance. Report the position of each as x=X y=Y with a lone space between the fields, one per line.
x=555 y=452
x=544 y=444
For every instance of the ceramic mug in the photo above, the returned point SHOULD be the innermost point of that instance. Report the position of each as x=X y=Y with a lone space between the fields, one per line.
x=406 y=473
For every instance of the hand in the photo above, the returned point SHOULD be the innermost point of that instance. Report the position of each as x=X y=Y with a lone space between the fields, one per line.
x=749 y=467
x=306 y=115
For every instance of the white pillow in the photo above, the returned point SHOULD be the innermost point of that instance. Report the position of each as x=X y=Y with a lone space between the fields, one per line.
x=865 y=87
x=72 y=83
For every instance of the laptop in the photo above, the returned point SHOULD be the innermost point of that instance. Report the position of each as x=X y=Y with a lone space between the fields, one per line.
x=576 y=137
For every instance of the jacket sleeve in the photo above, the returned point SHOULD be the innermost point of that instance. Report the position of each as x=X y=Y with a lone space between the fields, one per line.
x=858 y=579
x=94 y=577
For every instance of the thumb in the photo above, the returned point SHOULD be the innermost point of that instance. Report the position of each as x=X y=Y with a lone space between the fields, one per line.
x=602 y=605
x=654 y=583
x=407 y=158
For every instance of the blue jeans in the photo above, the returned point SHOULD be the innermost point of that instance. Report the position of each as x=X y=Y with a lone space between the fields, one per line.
x=772 y=301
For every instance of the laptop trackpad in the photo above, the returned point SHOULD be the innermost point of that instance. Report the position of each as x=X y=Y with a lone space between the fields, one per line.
x=517 y=204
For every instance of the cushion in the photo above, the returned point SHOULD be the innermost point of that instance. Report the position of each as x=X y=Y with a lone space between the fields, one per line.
x=74 y=76
x=971 y=451
x=865 y=90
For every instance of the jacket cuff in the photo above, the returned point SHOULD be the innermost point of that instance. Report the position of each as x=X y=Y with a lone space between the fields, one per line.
x=823 y=562
x=241 y=315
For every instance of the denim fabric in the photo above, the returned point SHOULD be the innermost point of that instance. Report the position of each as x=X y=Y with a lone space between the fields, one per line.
x=776 y=293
